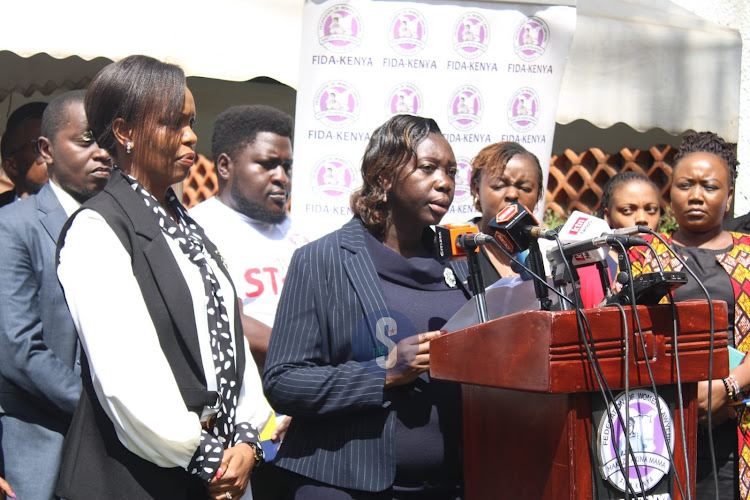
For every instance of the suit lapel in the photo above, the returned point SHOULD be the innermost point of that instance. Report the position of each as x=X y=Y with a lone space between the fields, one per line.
x=362 y=275
x=166 y=271
x=51 y=213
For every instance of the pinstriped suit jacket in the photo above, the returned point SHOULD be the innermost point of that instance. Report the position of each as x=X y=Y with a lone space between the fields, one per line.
x=343 y=431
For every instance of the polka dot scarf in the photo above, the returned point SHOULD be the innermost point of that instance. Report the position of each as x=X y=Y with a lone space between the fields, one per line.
x=223 y=434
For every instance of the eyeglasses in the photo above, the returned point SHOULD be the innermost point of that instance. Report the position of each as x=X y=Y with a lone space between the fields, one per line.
x=25 y=145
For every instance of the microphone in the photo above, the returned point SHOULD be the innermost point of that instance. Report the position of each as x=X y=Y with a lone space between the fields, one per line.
x=470 y=241
x=579 y=227
x=515 y=230
x=462 y=240
x=631 y=230
x=585 y=241
x=452 y=241
x=581 y=247
x=515 y=227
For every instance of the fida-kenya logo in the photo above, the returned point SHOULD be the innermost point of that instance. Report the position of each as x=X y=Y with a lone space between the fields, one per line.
x=465 y=108
x=340 y=29
x=644 y=438
x=523 y=109
x=404 y=98
x=337 y=104
x=463 y=181
x=531 y=38
x=471 y=35
x=407 y=33
x=333 y=176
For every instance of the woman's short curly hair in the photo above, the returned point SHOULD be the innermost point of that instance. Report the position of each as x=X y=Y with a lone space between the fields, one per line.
x=391 y=147
x=493 y=159
x=708 y=142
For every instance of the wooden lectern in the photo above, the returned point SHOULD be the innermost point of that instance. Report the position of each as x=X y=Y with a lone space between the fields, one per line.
x=527 y=391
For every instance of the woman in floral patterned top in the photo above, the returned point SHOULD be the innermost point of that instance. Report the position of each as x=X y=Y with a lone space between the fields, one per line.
x=701 y=196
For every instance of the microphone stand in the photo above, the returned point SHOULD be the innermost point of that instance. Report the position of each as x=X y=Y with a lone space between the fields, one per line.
x=603 y=268
x=536 y=265
x=476 y=284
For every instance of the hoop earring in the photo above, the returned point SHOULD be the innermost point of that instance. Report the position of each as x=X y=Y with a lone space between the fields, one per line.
x=476 y=203
x=129 y=147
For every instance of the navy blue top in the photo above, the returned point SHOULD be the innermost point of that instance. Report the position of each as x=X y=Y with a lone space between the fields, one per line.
x=428 y=412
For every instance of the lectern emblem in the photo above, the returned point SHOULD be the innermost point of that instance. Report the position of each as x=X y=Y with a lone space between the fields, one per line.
x=648 y=428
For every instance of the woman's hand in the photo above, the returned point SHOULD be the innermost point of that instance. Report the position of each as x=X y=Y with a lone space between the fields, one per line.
x=720 y=409
x=233 y=474
x=409 y=359
x=5 y=488
x=280 y=431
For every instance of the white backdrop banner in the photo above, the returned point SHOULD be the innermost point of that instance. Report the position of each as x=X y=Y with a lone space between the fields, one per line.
x=485 y=72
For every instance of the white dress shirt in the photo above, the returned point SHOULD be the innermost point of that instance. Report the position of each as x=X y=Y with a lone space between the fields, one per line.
x=130 y=374
x=69 y=204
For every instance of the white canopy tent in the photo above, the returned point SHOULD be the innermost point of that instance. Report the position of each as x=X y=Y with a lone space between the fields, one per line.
x=647 y=63
x=651 y=64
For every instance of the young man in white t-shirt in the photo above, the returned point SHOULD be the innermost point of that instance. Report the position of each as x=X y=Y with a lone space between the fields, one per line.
x=247 y=220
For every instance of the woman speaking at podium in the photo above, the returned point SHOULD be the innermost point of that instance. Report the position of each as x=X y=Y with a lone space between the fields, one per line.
x=349 y=350
x=701 y=195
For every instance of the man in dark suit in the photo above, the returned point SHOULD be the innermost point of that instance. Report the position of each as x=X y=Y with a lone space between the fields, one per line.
x=39 y=372
x=20 y=158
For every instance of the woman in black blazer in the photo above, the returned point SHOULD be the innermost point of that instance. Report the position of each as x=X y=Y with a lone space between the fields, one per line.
x=171 y=398
x=349 y=351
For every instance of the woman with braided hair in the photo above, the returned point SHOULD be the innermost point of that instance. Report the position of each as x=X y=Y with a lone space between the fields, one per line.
x=701 y=195
x=628 y=199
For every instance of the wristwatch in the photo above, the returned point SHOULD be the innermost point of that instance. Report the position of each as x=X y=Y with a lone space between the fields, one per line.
x=260 y=457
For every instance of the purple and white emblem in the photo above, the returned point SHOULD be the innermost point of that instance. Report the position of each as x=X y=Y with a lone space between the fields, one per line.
x=649 y=431
x=407 y=33
x=340 y=29
x=337 y=104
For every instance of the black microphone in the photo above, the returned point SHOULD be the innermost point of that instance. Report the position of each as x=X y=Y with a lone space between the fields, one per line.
x=631 y=230
x=577 y=247
x=515 y=227
x=470 y=241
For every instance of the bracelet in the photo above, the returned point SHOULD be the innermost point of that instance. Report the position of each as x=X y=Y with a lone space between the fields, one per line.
x=732 y=387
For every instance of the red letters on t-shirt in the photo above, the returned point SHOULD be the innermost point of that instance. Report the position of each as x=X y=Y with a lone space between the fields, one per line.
x=267 y=274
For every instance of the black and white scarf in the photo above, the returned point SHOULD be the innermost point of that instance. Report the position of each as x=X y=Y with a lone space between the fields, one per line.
x=224 y=433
